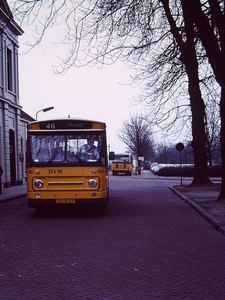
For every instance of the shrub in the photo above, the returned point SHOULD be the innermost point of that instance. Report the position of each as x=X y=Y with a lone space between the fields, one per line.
x=187 y=170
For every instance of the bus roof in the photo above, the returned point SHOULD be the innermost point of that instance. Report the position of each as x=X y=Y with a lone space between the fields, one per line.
x=66 y=124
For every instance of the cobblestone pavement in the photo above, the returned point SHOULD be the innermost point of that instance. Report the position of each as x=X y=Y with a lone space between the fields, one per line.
x=147 y=245
x=204 y=200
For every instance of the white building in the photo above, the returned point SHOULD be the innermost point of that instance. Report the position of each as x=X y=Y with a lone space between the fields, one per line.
x=13 y=121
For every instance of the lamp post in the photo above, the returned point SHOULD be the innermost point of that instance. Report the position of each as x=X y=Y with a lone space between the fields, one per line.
x=136 y=146
x=44 y=110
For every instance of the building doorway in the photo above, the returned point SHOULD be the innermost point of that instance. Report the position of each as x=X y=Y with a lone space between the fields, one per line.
x=12 y=156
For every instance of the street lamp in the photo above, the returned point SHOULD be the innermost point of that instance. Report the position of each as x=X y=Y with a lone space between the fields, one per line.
x=44 y=110
x=136 y=146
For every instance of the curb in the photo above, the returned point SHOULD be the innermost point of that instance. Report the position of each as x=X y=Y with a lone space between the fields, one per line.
x=214 y=222
x=12 y=198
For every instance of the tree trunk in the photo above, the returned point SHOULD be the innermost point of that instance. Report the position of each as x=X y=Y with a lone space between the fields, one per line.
x=215 y=51
x=189 y=59
x=222 y=115
x=198 y=129
x=197 y=103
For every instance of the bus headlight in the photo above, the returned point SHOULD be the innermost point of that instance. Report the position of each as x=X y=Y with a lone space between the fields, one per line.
x=92 y=183
x=38 y=183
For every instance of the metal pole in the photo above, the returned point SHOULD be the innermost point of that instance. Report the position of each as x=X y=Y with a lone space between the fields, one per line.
x=180 y=170
x=44 y=110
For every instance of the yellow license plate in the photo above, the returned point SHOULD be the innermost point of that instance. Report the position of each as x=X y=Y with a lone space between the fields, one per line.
x=65 y=201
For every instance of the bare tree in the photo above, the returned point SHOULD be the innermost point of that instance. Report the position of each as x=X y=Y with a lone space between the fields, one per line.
x=209 y=19
x=136 y=133
x=166 y=153
x=212 y=97
x=163 y=154
x=103 y=31
x=177 y=58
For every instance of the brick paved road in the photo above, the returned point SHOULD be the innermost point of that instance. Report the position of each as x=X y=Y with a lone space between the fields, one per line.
x=148 y=245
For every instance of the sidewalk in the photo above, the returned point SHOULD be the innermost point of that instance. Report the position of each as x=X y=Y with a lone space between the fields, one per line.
x=13 y=192
x=202 y=200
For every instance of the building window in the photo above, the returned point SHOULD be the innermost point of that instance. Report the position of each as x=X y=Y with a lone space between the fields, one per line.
x=9 y=69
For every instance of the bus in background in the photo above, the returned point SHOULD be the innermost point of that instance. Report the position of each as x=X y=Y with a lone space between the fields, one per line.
x=121 y=163
x=67 y=162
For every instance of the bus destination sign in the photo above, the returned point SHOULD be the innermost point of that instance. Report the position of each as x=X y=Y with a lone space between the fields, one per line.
x=65 y=124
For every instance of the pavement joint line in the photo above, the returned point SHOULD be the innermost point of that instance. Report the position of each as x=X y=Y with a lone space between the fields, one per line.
x=215 y=223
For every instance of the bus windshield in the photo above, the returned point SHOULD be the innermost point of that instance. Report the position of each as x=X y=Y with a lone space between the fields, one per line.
x=71 y=148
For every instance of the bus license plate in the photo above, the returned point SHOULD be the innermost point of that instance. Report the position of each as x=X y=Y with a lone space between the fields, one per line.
x=65 y=201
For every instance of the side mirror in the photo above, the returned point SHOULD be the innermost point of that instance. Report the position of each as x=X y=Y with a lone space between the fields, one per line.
x=111 y=155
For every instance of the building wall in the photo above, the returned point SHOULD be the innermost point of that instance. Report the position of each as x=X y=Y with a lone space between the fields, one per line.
x=12 y=126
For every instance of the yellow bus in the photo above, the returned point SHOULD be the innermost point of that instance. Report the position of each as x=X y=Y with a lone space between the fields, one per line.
x=67 y=162
x=121 y=163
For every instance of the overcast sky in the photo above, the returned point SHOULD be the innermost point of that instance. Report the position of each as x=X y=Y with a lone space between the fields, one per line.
x=89 y=93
